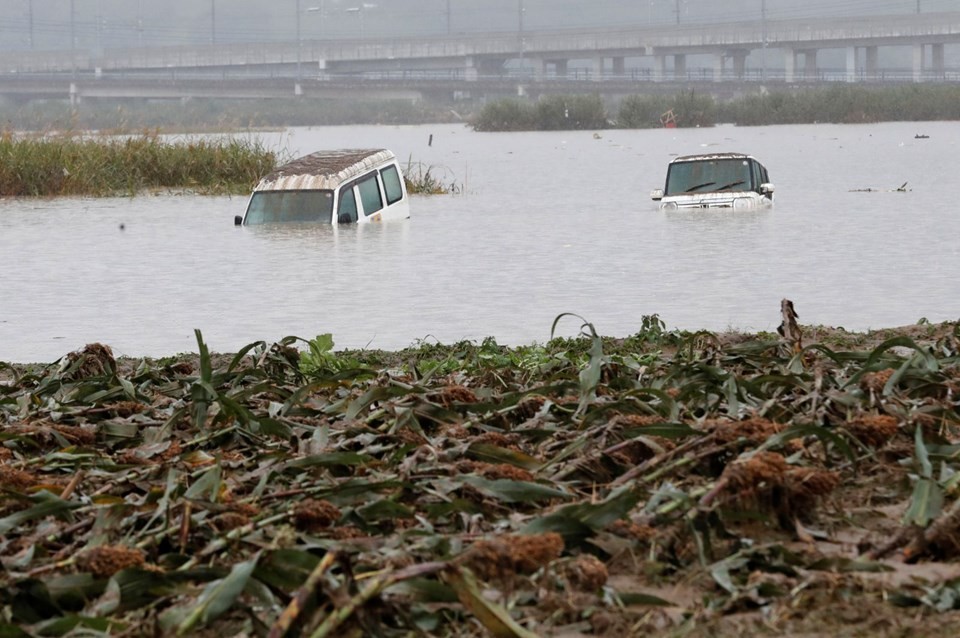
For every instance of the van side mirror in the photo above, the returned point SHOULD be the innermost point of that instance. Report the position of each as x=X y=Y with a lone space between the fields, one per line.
x=656 y=195
x=238 y=220
x=766 y=189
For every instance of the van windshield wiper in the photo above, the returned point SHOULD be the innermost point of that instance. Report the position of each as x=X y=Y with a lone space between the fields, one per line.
x=693 y=188
x=731 y=185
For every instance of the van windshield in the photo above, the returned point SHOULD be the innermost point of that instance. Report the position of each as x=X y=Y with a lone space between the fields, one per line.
x=708 y=176
x=269 y=207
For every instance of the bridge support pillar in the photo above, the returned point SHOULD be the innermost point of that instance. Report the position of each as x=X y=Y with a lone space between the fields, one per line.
x=539 y=68
x=596 y=70
x=918 y=62
x=852 y=64
x=560 y=67
x=810 y=64
x=619 y=66
x=74 y=94
x=871 y=62
x=680 y=66
x=938 y=61
x=789 y=65
x=660 y=68
x=719 y=67
x=739 y=62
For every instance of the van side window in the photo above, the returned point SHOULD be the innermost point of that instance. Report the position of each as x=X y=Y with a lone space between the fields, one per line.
x=347 y=210
x=391 y=184
x=370 y=194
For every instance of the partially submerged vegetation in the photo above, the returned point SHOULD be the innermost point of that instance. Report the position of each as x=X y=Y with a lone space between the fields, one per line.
x=208 y=115
x=669 y=483
x=64 y=165
x=844 y=104
x=422 y=180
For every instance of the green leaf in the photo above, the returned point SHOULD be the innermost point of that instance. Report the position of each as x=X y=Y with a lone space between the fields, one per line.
x=923 y=456
x=637 y=598
x=494 y=454
x=218 y=597
x=47 y=505
x=925 y=504
x=332 y=459
x=207 y=487
x=515 y=491
x=492 y=616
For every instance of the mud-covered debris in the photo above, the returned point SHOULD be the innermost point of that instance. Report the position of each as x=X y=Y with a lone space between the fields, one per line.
x=93 y=360
x=586 y=573
x=313 y=514
x=632 y=529
x=757 y=473
x=754 y=430
x=229 y=520
x=507 y=472
x=875 y=381
x=16 y=479
x=504 y=556
x=107 y=560
x=873 y=430
x=452 y=394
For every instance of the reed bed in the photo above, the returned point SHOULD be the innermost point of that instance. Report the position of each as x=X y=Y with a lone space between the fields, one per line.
x=668 y=483
x=422 y=180
x=206 y=115
x=74 y=165
x=839 y=105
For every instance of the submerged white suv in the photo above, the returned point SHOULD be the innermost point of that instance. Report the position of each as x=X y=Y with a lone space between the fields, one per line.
x=717 y=180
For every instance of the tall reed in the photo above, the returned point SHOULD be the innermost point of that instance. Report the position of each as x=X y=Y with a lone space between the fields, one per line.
x=65 y=165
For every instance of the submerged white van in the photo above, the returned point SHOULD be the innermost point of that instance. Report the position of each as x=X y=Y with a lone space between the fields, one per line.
x=348 y=186
x=717 y=180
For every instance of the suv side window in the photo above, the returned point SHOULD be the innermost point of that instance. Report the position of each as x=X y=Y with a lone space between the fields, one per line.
x=370 y=194
x=391 y=184
x=347 y=209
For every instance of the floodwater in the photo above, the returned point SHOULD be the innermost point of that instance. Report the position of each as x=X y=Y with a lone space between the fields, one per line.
x=546 y=223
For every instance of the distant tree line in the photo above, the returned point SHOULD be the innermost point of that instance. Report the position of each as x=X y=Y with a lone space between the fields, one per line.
x=687 y=109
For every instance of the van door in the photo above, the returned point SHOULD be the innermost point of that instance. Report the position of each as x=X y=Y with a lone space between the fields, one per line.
x=347 y=208
x=368 y=188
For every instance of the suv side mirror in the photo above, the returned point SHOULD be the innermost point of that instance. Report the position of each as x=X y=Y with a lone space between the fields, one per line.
x=238 y=220
x=656 y=195
x=766 y=189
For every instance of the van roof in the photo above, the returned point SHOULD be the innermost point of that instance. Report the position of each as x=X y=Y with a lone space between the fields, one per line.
x=710 y=156
x=324 y=169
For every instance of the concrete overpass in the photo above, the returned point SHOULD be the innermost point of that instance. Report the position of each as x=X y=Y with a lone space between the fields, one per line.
x=611 y=55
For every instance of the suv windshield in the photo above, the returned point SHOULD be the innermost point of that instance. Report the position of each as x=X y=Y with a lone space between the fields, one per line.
x=708 y=176
x=268 y=207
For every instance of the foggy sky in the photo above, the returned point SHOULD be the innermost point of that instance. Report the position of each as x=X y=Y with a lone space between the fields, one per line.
x=96 y=24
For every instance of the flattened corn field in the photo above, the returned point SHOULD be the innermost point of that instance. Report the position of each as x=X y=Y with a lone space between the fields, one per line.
x=669 y=483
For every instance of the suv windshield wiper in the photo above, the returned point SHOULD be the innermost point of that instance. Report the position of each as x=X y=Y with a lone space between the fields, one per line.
x=731 y=185
x=693 y=188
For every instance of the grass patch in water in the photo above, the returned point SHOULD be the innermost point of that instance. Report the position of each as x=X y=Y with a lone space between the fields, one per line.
x=76 y=165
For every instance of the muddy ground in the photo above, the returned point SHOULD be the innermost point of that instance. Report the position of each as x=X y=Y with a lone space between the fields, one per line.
x=666 y=484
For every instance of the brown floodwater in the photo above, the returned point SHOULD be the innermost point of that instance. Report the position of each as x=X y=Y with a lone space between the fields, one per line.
x=546 y=223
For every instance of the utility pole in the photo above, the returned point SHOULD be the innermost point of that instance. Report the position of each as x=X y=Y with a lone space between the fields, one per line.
x=763 y=34
x=140 y=23
x=520 y=31
x=448 y=17
x=30 y=21
x=678 y=12
x=99 y=28
x=213 y=22
x=73 y=38
x=299 y=74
